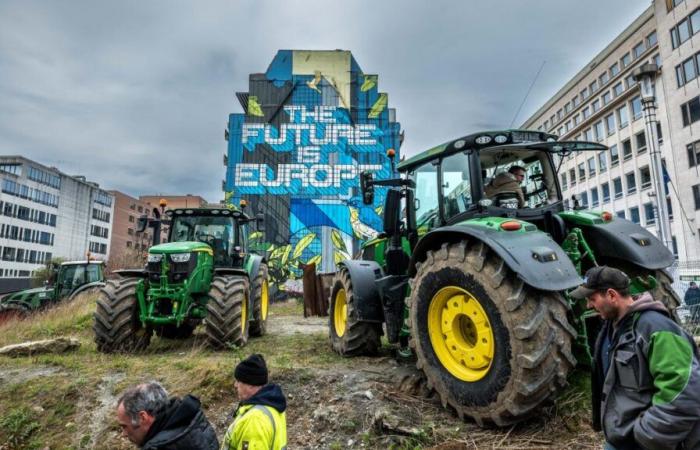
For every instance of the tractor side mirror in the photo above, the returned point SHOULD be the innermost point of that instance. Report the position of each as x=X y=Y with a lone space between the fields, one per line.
x=260 y=222
x=367 y=188
x=141 y=224
x=392 y=212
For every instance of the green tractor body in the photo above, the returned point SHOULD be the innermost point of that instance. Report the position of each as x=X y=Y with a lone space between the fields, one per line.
x=475 y=285
x=203 y=273
x=67 y=280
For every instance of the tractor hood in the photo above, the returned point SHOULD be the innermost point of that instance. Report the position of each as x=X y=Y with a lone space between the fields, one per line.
x=40 y=292
x=181 y=247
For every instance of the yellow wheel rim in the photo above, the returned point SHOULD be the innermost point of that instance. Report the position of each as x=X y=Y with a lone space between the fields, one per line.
x=244 y=315
x=264 y=299
x=461 y=334
x=340 y=313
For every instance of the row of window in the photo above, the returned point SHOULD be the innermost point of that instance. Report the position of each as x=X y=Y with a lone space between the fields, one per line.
x=25 y=213
x=696 y=196
x=14 y=273
x=24 y=191
x=693 y=154
x=602 y=80
x=688 y=70
x=16 y=233
x=670 y=4
x=630 y=181
x=14 y=169
x=99 y=231
x=103 y=198
x=44 y=177
x=100 y=215
x=96 y=247
x=686 y=28
x=690 y=111
x=25 y=256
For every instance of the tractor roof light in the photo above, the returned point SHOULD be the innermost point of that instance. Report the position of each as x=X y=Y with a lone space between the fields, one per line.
x=483 y=140
x=606 y=216
x=391 y=153
x=501 y=139
x=243 y=203
x=163 y=203
x=511 y=225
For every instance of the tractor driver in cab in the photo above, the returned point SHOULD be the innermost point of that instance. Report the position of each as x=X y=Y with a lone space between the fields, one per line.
x=505 y=190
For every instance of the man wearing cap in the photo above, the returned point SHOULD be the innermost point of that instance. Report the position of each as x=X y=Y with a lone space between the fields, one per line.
x=646 y=370
x=259 y=421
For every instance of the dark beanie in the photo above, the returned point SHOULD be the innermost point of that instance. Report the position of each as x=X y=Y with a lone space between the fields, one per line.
x=252 y=370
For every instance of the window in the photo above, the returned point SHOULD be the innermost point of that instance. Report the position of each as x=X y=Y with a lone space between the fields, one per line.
x=651 y=39
x=693 y=154
x=631 y=183
x=560 y=131
x=610 y=123
x=622 y=117
x=620 y=214
x=641 y=140
x=588 y=135
x=595 y=105
x=602 y=161
x=584 y=198
x=140 y=208
x=103 y=198
x=584 y=94
x=686 y=71
x=630 y=81
x=560 y=114
x=689 y=110
x=696 y=196
x=577 y=119
x=695 y=21
x=594 y=197
x=657 y=60
x=564 y=185
x=546 y=125
x=586 y=112
x=638 y=50
x=680 y=33
x=605 y=187
x=572 y=176
x=649 y=216
x=14 y=169
x=626 y=59
x=626 y=149
x=567 y=126
x=637 y=107
x=645 y=177
x=604 y=78
x=44 y=177
x=581 y=172
x=614 y=155
x=575 y=101
x=567 y=107
x=614 y=69
x=130 y=231
x=634 y=214
x=131 y=219
x=618 y=89
x=606 y=97
x=670 y=208
x=599 y=131
x=456 y=181
x=591 y=167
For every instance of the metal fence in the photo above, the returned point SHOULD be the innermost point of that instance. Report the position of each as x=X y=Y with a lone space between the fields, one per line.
x=689 y=315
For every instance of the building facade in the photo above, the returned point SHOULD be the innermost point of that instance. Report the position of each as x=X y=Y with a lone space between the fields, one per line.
x=45 y=213
x=126 y=243
x=603 y=103
x=311 y=123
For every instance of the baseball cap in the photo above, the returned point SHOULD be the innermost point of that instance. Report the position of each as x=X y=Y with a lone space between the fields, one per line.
x=599 y=279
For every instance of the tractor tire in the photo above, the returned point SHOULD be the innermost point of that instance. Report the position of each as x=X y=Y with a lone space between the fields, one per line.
x=349 y=336
x=184 y=331
x=116 y=319
x=492 y=347
x=13 y=311
x=261 y=302
x=226 y=324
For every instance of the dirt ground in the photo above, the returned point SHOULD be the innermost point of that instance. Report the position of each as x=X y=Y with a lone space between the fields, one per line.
x=67 y=401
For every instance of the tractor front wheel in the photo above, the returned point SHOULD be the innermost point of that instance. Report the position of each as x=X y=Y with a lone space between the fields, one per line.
x=349 y=336
x=261 y=302
x=492 y=347
x=116 y=319
x=227 y=312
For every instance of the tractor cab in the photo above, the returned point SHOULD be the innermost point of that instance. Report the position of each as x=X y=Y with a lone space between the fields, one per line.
x=72 y=275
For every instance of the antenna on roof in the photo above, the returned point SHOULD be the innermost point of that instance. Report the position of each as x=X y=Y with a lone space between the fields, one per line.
x=537 y=75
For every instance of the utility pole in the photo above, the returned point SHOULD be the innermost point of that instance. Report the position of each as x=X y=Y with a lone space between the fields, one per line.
x=645 y=75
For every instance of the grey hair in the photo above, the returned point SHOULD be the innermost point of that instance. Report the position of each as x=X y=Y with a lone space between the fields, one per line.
x=150 y=397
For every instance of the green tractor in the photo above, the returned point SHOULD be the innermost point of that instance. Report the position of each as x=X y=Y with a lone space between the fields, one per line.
x=67 y=280
x=204 y=273
x=476 y=286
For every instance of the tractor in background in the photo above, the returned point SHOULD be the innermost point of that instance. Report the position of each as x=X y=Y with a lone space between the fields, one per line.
x=67 y=281
x=204 y=273
x=475 y=286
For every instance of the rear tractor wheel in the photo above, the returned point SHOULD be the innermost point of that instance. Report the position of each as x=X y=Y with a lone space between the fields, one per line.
x=492 y=347
x=349 y=336
x=116 y=320
x=227 y=312
x=261 y=302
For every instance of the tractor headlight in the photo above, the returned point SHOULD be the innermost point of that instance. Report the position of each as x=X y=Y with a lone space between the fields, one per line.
x=154 y=258
x=180 y=257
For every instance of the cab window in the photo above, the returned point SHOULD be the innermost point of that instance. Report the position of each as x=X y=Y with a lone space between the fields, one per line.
x=426 y=194
x=456 y=184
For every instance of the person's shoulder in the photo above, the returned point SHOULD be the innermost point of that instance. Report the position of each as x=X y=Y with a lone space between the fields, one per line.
x=651 y=321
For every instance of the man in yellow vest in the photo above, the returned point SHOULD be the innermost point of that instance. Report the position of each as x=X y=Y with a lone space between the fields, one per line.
x=259 y=421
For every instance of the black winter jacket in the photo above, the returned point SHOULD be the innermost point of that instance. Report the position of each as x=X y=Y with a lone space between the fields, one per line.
x=182 y=426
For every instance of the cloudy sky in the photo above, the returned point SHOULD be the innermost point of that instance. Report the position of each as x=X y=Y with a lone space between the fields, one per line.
x=136 y=94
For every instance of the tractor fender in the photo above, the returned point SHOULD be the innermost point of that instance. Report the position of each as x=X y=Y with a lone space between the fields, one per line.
x=254 y=262
x=85 y=287
x=628 y=241
x=533 y=255
x=365 y=291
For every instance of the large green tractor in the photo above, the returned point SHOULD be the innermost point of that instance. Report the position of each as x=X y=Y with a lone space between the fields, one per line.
x=67 y=280
x=477 y=286
x=204 y=273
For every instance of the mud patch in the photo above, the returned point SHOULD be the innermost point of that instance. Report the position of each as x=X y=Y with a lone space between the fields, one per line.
x=288 y=325
x=98 y=412
x=16 y=376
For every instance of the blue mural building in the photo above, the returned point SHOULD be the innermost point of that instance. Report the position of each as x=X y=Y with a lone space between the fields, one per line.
x=311 y=123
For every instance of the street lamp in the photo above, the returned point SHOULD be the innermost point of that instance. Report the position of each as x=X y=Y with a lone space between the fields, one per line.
x=645 y=76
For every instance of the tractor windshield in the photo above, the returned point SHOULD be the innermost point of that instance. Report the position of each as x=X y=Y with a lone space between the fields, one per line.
x=76 y=275
x=456 y=184
x=218 y=232
x=426 y=193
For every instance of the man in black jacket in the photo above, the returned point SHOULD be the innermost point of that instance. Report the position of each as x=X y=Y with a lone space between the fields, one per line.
x=151 y=420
